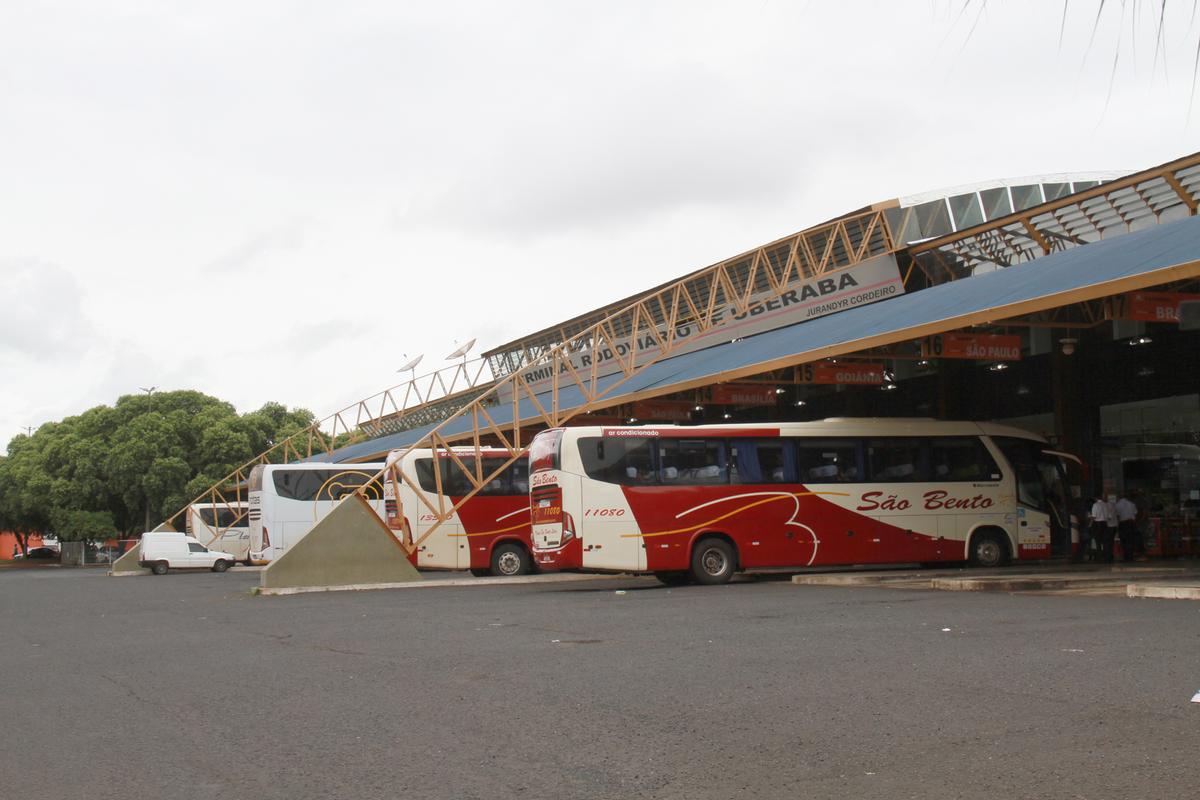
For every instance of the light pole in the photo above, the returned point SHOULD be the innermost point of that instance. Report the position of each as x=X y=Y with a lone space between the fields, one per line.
x=149 y=390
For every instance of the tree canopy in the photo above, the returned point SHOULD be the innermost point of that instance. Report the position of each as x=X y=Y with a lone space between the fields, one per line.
x=113 y=470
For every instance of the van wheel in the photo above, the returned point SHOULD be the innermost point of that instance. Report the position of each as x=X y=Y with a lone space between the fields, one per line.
x=713 y=561
x=509 y=560
x=988 y=549
x=221 y=565
x=159 y=568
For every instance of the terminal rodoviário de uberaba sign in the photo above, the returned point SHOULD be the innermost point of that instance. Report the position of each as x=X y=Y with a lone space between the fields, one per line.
x=875 y=279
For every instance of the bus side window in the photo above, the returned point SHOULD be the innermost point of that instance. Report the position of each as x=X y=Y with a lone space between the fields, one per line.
x=424 y=469
x=762 y=461
x=961 y=458
x=827 y=460
x=628 y=461
x=900 y=460
x=517 y=477
x=691 y=461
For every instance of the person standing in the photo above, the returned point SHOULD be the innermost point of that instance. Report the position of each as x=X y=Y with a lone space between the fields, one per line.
x=1110 y=527
x=1127 y=513
x=1099 y=526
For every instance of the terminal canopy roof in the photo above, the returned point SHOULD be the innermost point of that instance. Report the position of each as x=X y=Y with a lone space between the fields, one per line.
x=1139 y=260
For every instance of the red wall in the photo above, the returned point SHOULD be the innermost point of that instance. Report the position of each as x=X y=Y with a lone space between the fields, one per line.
x=8 y=542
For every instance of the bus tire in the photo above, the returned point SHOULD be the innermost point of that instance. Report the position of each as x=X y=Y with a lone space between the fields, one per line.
x=713 y=561
x=220 y=566
x=989 y=548
x=159 y=568
x=673 y=578
x=509 y=560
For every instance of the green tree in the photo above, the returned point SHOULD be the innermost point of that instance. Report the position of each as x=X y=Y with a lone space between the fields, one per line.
x=128 y=466
x=77 y=525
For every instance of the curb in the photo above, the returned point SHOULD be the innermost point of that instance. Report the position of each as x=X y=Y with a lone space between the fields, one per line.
x=1163 y=592
x=1020 y=584
x=421 y=584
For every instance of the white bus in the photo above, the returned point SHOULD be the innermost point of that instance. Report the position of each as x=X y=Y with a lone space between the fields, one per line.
x=287 y=500
x=704 y=502
x=221 y=526
x=489 y=535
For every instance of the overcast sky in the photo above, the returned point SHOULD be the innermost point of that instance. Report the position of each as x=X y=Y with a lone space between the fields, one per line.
x=276 y=200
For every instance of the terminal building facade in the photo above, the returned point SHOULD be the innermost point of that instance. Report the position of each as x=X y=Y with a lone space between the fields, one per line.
x=1065 y=305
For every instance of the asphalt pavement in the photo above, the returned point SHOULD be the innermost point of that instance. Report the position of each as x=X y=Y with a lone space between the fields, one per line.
x=186 y=686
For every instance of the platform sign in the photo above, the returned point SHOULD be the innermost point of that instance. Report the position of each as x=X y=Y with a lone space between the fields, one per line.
x=976 y=346
x=1156 y=306
x=850 y=373
x=872 y=280
x=743 y=394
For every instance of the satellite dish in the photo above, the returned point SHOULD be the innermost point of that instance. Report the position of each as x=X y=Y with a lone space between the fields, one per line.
x=411 y=363
x=462 y=351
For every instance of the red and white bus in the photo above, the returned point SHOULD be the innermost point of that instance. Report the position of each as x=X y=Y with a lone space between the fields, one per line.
x=707 y=501
x=489 y=535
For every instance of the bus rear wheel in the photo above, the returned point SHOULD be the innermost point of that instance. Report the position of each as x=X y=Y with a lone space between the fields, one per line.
x=509 y=560
x=713 y=561
x=988 y=549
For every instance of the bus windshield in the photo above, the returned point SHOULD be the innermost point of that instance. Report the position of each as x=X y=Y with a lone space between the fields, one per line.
x=544 y=450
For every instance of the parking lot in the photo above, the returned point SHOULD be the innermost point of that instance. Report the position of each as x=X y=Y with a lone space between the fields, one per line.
x=186 y=686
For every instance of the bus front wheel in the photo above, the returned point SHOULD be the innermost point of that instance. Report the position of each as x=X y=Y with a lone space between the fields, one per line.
x=988 y=549
x=509 y=560
x=713 y=561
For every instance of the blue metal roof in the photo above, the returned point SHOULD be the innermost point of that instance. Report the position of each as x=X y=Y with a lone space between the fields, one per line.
x=1123 y=257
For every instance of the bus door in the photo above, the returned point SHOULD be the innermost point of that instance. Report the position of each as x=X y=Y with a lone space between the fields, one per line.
x=621 y=501
x=1041 y=497
x=446 y=547
x=1060 y=474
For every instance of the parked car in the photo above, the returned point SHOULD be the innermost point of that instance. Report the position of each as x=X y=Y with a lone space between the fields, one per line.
x=42 y=553
x=104 y=555
x=160 y=551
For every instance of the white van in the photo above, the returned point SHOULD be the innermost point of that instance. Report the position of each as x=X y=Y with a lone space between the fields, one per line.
x=163 y=550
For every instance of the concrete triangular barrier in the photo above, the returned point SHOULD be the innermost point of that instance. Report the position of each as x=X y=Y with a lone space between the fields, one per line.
x=128 y=563
x=349 y=548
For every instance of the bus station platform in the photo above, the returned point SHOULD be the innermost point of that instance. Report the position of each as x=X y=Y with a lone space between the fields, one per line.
x=1168 y=580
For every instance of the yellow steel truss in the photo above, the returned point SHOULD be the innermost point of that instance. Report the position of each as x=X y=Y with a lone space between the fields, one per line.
x=696 y=301
x=408 y=404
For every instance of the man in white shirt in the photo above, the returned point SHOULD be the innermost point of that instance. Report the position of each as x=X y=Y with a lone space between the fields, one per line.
x=1104 y=528
x=1127 y=512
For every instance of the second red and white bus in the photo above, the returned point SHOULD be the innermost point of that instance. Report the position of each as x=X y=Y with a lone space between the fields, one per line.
x=489 y=535
x=705 y=502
